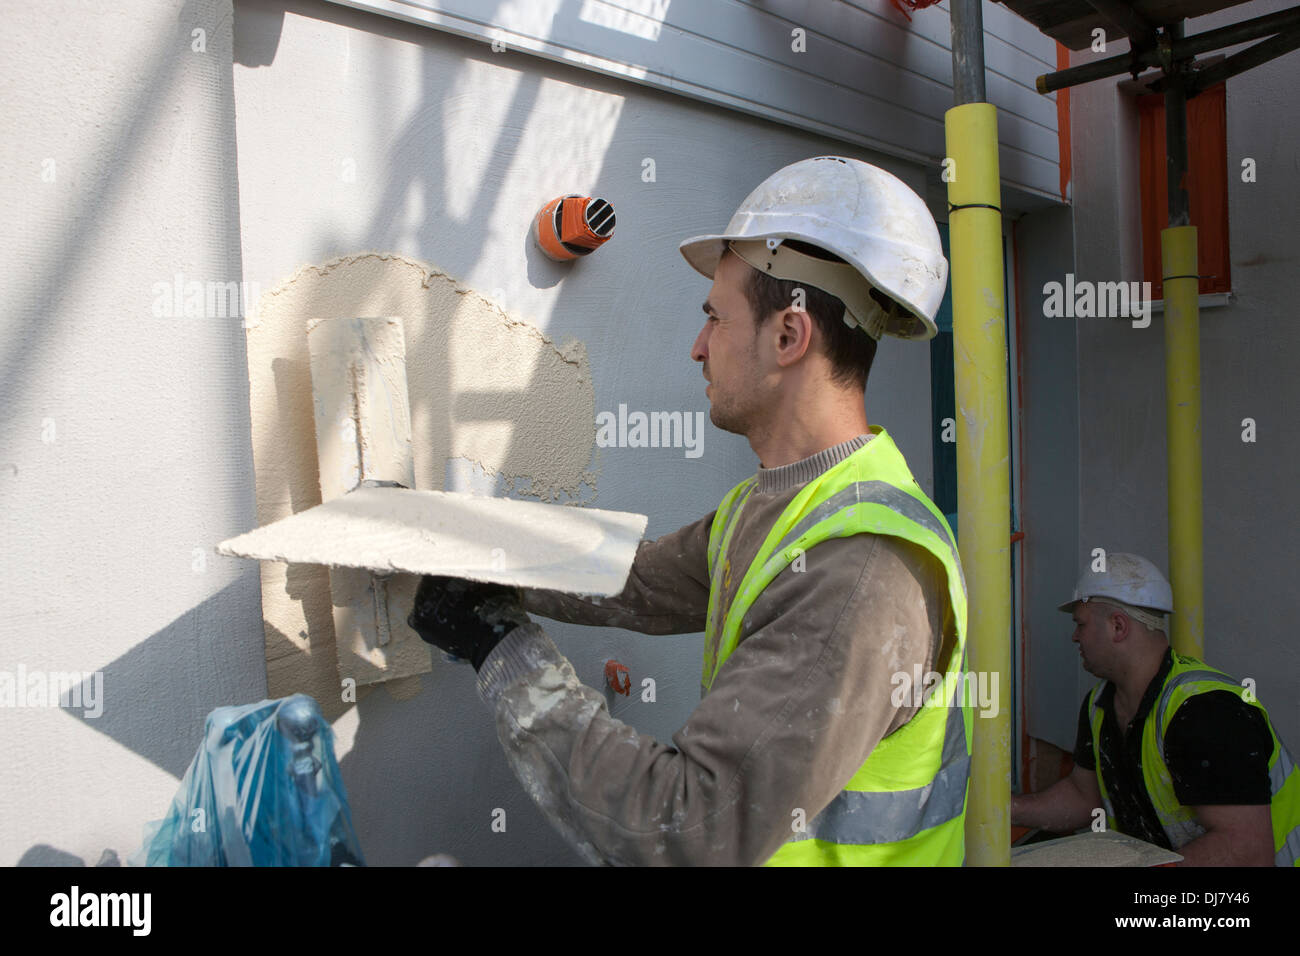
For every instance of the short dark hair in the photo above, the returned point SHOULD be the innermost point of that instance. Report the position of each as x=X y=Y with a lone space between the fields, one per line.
x=850 y=350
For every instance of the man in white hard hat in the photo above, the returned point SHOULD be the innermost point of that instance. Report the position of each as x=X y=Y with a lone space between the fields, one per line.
x=817 y=581
x=1177 y=753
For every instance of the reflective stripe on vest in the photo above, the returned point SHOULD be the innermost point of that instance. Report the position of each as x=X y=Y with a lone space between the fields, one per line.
x=1179 y=821
x=887 y=816
x=906 y=803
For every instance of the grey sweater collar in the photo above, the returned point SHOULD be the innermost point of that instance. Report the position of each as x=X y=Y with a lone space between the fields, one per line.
x=776 y=480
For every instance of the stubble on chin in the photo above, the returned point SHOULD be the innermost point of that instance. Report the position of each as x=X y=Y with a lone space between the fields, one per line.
x=726 y=420
x=720 y=423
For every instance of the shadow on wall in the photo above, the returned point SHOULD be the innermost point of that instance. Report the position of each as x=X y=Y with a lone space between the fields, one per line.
x=156 y=696
x=24 y=352
x=42 y=854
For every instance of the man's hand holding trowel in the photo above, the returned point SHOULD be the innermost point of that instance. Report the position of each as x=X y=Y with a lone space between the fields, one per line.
x=465 y=618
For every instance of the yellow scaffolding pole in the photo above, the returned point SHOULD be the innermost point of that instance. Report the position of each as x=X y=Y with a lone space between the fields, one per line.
x=983 y=458
x=1183 y=430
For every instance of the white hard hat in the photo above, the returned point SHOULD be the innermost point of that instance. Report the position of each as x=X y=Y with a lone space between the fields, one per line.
x=1129 y=579
x=869 y=218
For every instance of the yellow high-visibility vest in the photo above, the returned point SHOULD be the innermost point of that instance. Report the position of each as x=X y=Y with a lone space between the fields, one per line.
x=906 y=804
x=1189 y=677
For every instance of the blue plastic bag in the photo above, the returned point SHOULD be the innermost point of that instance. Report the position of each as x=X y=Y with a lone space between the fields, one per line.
x=264 y=789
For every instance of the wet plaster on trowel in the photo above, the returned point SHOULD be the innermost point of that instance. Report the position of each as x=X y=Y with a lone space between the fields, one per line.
x=484 y=385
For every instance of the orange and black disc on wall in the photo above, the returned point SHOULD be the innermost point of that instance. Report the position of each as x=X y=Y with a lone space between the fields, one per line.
x=573 y=226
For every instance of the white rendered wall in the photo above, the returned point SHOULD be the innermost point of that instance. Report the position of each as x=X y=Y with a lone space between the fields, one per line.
x=124 y=451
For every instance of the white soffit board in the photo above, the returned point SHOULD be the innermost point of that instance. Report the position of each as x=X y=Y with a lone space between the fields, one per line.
x=502 y=540
x=863 y=74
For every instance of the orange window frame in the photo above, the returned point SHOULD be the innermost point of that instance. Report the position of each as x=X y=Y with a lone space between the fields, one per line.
x=1206 y=181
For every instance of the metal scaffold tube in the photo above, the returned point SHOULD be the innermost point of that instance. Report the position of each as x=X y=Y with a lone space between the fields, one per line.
x=983 y=452
x=1182 y=384
x=979 y=321
x=1183 y=411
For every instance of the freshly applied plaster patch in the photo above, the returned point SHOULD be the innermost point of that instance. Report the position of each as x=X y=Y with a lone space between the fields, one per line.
x=484 y=385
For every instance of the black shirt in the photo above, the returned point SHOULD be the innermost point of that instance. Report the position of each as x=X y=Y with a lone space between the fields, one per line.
x=1217 y=748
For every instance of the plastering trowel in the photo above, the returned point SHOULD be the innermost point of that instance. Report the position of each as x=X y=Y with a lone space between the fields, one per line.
x=501 y=540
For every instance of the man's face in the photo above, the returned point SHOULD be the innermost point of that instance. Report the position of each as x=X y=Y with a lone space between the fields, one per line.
x=1095 y=637
x=728 y=347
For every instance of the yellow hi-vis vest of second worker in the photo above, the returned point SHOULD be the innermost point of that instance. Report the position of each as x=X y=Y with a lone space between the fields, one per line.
x=1187 y=678
x=906 y=804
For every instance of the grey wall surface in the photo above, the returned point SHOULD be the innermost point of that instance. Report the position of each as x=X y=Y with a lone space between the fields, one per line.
x=1248 y=354
x=449 y=143
x=124 y=446
x=1049 y=478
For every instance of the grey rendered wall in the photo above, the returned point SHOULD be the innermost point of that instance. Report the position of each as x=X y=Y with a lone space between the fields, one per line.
x=124 y=444
x=1248 y=356
x=1049 y=477
x=455 y=149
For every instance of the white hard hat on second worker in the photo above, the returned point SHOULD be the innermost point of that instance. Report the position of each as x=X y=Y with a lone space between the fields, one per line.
x=1130 y=579
x=869 y=218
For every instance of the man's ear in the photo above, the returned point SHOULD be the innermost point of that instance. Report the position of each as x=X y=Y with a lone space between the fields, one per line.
x=796 y=335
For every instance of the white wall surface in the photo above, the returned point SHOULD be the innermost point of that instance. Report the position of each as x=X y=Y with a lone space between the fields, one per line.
x=124 y=451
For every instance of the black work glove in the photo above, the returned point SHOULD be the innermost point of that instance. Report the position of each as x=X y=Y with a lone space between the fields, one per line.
x=465 y=618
